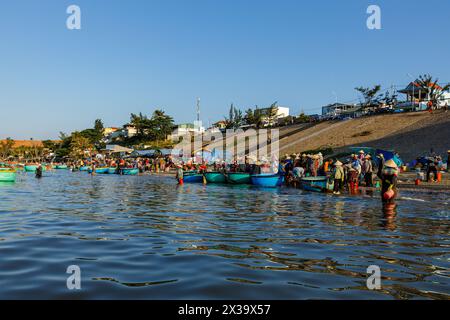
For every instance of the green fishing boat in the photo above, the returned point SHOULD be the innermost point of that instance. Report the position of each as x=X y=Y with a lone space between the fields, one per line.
x=7 y=175
x=61 y=166
x=215 y=177
x=238 y=177
x=30 y=168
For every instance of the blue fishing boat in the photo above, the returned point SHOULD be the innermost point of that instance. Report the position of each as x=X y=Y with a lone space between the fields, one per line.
x=99 y=170
x=85 y=168
x=315 y=184
x=112 y=170
x=192 y=177
x=267 y=180
x=130 y=171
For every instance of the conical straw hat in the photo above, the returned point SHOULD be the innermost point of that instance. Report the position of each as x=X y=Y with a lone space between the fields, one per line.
x=391 y=164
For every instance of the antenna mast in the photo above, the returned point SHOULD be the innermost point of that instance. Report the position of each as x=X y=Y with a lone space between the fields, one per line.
x=198 y=109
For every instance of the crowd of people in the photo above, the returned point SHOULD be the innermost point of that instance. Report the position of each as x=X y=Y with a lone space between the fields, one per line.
x=157 y=164
x=357 y=170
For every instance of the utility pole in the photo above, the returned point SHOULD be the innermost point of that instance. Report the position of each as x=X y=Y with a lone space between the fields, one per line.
x=198 y=109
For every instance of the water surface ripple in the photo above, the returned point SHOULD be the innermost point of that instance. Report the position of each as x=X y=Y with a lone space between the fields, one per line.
x=143 y=237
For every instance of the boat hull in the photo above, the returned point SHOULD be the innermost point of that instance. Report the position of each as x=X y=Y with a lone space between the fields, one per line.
x=193 y=178
x=33 y=168
x=112 y=170
x=267 y=180
x=129 y=172
x=215 y=177
x=238 y=178
x=315 y=184
x=61 y=167
x=100 y=170
x=85 y=168
x=7 y=176
x=30 y=168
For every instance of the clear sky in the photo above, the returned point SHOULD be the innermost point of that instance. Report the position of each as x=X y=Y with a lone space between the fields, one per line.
x=139 y=55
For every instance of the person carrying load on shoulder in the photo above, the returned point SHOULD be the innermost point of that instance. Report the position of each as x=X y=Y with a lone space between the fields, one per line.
x=389 y=179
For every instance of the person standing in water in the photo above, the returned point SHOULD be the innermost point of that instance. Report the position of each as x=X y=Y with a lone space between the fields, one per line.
x=39 y=171
x=367 y=170
x=338 y=177
x=180 y=174
x=389 y=179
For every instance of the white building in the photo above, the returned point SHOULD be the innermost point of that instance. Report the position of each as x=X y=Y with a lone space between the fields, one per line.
x=267 y=120
x=187 y=128
x=338 y=109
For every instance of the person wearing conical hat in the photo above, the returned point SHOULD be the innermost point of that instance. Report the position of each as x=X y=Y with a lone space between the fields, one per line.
x=338 y=176
x=367 y=171
x=389 y=179
x=180 y=174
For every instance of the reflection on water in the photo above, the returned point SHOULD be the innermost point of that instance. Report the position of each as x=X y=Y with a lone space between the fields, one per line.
x=146 y=238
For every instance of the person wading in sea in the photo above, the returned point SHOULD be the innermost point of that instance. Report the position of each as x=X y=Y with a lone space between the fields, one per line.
x=367 y=169
x=389 y=178
x=180 y=174
x=39 y=171
x=338 y=177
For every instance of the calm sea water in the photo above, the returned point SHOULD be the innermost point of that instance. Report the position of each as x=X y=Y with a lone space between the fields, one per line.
x=143 y=237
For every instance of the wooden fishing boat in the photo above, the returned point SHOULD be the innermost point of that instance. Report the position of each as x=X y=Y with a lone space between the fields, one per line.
x=238 y=177
x=315 y=184
x=84 y=168
x=192 y=177
x=267 y=180
x=215 y=177
x=129 y=171
x=7 y=175
x=61 y=166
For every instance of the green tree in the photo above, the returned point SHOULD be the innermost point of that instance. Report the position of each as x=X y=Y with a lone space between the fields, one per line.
x=272 y=113
x=142 y=124
x=371 y=97
x=235 y=118
x=161 y=125
x=79 y=145
x=6 y=148
x=98 y=126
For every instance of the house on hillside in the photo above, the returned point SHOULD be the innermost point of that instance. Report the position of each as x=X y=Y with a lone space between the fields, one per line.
x=109 y=130
x=187 y=128
x=342 y=110
x=417 y=97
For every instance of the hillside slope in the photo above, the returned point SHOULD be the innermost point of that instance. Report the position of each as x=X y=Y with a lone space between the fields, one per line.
x=411 y=134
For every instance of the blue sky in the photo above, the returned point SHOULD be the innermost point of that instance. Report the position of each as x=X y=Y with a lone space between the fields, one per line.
x=139 y=55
